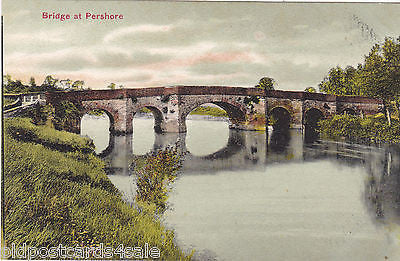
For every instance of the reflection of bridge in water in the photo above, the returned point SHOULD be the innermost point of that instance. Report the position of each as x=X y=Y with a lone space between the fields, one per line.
x=249 y=150
x=243 y=150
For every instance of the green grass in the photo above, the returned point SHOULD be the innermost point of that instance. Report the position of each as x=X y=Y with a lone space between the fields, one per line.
x=23 y=130
x=212 y=111
x=96 y=113
x=54 y=197
x=145 y=110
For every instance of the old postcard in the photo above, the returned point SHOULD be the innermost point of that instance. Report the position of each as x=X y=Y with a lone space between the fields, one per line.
x=152 y=130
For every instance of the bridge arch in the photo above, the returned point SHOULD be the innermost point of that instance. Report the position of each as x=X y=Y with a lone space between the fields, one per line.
x=111 y=114
x=98 y=125
x=159 y=120
x=349 y=111
x=310 y=123
x=236 y=112
x=280 y=118
x=311 y=116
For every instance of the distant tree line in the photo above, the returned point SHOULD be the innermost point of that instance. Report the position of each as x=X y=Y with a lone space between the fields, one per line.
x=378 y=76
x=49 y=84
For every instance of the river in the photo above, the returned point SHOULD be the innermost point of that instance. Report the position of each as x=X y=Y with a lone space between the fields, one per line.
x=240 y=197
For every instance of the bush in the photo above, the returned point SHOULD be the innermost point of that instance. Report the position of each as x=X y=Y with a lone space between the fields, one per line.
x=371 y=129
x=154 y=174
x=66 y=114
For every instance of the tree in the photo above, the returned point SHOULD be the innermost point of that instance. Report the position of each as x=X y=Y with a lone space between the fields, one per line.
x=377 y=77
x=32 y=82
x=32 y=85
x=78 y=85
x=381 y=73
x=11 y=86
x=266 y=83
x=65 y=84
x=342 y=81
x=310 y=89
x=7 y=79
x=49 y=83
x=111 y=86
x=334 y=82
x=66 y=114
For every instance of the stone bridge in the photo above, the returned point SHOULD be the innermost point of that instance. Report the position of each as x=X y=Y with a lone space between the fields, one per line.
x=171 y=105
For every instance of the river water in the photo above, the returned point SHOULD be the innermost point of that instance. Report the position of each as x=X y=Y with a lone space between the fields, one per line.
x=241 y=196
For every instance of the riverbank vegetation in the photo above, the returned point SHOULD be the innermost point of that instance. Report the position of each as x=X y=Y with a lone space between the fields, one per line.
x=154 y=174
x=56 y=192
x=208 y=110
x=370 y=129
x=377 y=77
x=201 y=110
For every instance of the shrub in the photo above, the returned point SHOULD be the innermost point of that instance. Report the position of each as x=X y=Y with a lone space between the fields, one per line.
x=154 y=174
x=373 y=128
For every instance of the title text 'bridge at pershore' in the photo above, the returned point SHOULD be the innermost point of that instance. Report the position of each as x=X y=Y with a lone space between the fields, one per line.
x=171 y=105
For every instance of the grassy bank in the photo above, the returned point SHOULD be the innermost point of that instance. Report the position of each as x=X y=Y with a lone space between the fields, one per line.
x=202 y=110
x=56 y=192
x=370 y=129
x=212 y=111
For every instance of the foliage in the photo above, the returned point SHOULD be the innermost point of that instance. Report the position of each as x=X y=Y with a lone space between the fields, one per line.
x=266 y=83
x=40 y=114
x=32 y=81
x=310 y=89
x=257 y=121
x=370 y=129
x=377 y=77
x=342 y=81
x=78 y=85
x=66 y=114
x=145 y=110
x=111 y=86
x=212 y=111
x=381 y=73
x=251 y=100
x=96 y=112
x=154 y=175
x=49 y=84
x=53 y=197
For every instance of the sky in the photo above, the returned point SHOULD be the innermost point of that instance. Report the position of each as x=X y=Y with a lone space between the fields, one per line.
x=191 y=43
